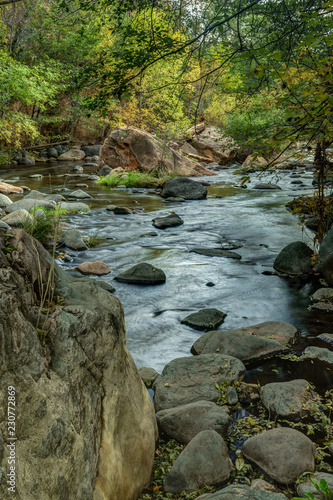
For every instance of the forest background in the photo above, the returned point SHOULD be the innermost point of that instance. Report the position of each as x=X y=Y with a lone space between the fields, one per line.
x=260 y=70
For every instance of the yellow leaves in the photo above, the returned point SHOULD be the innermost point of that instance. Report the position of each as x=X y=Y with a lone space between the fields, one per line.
x=239 y=463
x=17 y=128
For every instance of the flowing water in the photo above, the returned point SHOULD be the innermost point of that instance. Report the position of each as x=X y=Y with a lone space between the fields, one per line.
x=255 y=219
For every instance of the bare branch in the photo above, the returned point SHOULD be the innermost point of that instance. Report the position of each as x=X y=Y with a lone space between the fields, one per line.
x=7 y=2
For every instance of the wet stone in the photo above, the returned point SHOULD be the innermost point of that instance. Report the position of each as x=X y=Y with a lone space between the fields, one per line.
x=142 y=274
x=167 y=221
x=320 y=354
x=122 y=211
x=205 y=319
x=216 y=252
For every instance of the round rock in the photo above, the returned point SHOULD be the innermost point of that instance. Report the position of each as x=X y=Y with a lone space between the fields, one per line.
x=205 y=461
x=289 y=399
x=186 y=421
x=167 y=221
x=282 y=453
x=122 y=211
x=194 y=378
x=294 y=259
x=185 y=188
x=97 y=267
x=142 y=274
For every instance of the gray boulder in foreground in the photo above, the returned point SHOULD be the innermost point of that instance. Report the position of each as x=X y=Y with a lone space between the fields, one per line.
x=294 y=259
x=242 y=492
x=282 y=453
x=86 y=426
x=205 y=461
x=205 y=319
x=142 y=274
x=185 y=188
x=186 y=421
x=191 y=379
x=289 y=399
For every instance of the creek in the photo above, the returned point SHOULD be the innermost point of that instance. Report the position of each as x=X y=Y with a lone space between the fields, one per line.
x=255 y=219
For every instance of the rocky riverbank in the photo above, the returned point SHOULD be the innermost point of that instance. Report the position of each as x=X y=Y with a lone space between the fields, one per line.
x=213 y=396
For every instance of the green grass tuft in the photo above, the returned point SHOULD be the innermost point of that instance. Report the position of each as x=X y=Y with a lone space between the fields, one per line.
x=135 y=179
x=43 y=228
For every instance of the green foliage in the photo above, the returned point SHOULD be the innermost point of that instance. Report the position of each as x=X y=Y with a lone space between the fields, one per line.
x=253 y=122
x=43 y=227
x=322 y=488
x=93 y=240
x=134 y=179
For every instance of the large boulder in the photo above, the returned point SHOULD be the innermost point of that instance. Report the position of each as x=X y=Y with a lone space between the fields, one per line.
x=289 y=399
x=282 y=453
x=183 y=187
x=210 y=142
x=205 y=461
x=191 y=379
x=241 y=345
x=86 y=427
x=132 y=148
x=186 y=421
x=294 y=259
